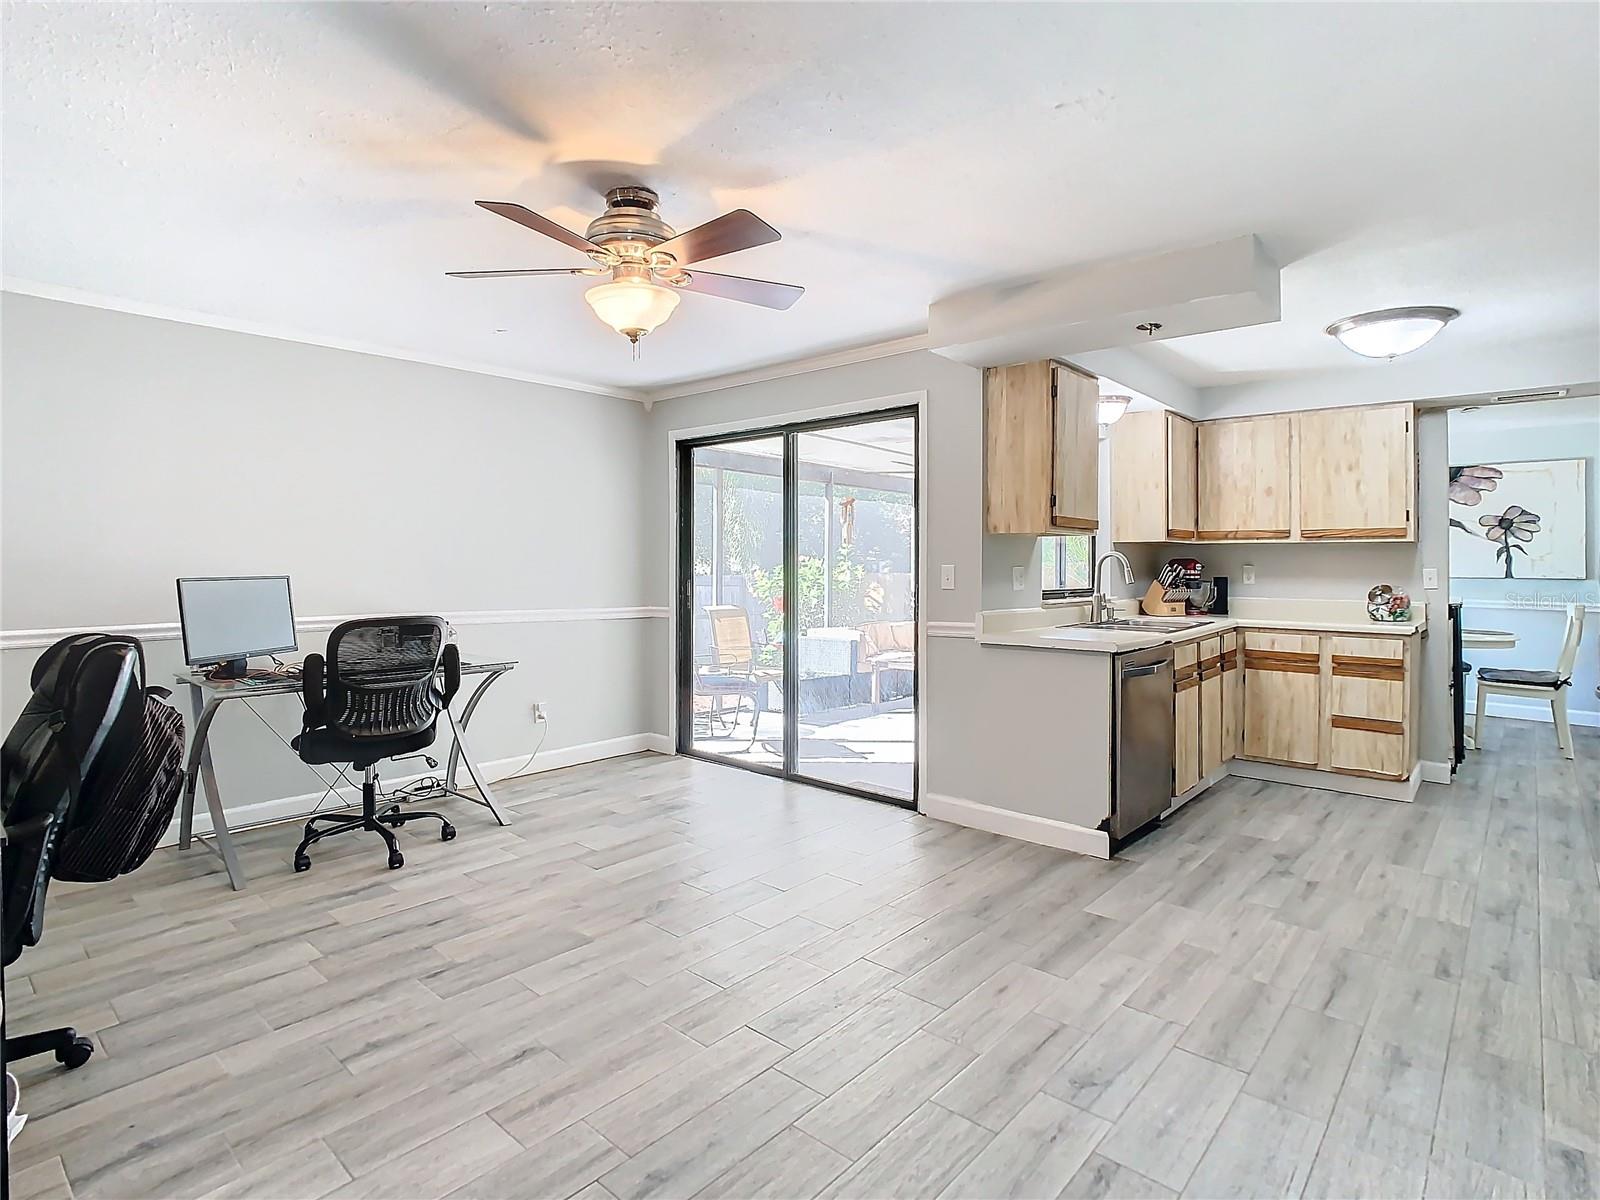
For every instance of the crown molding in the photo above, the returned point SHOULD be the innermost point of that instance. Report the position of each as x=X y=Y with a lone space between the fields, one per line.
x=67 y=295
x=794 y=366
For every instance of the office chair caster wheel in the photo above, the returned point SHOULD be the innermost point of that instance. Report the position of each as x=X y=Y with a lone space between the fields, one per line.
x=75 y=1053
x=447 y=831
x=396 y=860
x=302 y=862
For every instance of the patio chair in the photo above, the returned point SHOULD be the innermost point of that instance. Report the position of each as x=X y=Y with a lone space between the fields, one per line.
x=732 y=671
x=1550 y=686
x=891 y=646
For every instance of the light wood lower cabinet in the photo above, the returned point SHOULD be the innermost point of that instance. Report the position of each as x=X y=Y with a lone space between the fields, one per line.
x=1232 y=695
x=1186 y=717
x=1213 y=714
x=1368 y=702
x=1205 y=697
x=1282 y=697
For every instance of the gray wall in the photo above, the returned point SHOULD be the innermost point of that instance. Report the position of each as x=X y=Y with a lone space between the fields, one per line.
x=137 y=450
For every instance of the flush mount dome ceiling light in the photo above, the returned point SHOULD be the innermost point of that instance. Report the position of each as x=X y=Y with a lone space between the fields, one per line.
x=1391 y=332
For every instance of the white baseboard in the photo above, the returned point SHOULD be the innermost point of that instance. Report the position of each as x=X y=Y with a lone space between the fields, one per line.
x=1042 y=831
x=1435 y=772
x=1404 y=790
x=1518 y=708
x=287 y=808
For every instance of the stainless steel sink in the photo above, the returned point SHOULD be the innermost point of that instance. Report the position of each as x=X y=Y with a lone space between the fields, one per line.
x=1168 y=624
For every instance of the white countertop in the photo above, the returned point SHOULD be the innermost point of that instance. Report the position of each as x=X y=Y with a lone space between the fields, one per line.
x=1063 y=629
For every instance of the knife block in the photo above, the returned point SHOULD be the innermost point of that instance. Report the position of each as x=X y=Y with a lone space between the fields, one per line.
x=1156 y=604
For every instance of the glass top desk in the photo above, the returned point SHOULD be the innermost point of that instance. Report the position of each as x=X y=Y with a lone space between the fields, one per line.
x=207 y=696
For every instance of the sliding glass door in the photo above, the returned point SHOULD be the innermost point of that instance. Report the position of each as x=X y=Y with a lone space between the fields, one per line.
x=797 y=602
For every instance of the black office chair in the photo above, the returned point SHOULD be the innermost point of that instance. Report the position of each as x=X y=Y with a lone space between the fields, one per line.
x=72 y=737
x=375 y=696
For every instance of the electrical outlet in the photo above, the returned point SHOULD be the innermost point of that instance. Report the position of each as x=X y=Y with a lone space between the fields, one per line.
x=1430 y=578
x=947 y=576
x=1247 y=573
x=541 y=712
x=1018 y=576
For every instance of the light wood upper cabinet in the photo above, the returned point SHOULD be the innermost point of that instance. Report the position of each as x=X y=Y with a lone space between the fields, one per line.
x=1320 y=475
x=1041 y=470
x=1153 y=477
x=1357 y=470
x=1246 y=485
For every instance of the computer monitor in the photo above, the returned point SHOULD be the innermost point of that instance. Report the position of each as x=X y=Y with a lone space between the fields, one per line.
x=229 y=619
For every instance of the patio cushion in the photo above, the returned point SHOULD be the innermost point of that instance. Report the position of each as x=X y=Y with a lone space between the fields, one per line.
x=1546 y=679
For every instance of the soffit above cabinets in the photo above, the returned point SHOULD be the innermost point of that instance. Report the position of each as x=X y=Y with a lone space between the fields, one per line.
x=1224 y=285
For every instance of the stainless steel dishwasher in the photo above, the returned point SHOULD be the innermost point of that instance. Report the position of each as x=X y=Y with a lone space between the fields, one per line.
x=1142 y=733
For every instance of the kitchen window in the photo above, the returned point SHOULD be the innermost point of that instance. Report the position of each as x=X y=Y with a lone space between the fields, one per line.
x=1067 y=565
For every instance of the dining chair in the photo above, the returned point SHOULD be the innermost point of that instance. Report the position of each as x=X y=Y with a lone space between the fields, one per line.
x=1550 y=686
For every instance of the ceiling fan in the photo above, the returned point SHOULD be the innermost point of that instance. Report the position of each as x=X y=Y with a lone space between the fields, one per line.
x=648 y=261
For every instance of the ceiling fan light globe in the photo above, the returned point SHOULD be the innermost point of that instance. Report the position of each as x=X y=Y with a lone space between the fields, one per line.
x=632 y=307
x=1111 y=409
x=1391 y=332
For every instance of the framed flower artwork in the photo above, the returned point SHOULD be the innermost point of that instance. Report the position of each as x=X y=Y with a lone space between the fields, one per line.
x=1521 y=520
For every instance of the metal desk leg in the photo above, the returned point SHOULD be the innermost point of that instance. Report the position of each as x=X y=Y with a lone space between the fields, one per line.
x=466 y=719
x=472 y=765
x=201 y=768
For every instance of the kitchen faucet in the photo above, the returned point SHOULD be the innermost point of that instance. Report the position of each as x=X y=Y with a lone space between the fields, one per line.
x=1100 y=609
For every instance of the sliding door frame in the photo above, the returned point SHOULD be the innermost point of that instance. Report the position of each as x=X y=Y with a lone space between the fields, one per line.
x=682 y=632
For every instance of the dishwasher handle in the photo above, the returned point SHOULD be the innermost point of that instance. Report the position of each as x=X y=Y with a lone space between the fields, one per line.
x=1148 y=669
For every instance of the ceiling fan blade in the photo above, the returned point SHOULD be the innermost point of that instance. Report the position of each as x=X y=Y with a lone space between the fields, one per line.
x=516 y=274
x=738 y=230
x=746 y=291
x=544 y=225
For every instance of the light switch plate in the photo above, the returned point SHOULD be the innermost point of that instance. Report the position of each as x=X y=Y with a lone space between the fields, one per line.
x=1247 y=573
x=947 y=576
x=1018 y=574
x=1430 y=578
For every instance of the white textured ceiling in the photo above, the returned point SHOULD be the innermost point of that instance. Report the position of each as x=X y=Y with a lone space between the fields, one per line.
x=310 y=169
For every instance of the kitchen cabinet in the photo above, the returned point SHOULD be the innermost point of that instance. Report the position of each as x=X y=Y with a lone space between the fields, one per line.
x=1246 y=487
x=1368 y=705
x=1357 y=471
x=1153 y=478
x=1212 y=710
x=1232 y=695
x=1186 y=717
x=1282 y=697
x=1338 y=474
x=1041 y=456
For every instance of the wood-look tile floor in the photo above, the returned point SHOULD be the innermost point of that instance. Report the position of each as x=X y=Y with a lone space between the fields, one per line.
x=669 y=978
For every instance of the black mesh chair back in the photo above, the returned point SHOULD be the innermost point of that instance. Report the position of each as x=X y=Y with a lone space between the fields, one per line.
x=377 y=694
x=382 y=676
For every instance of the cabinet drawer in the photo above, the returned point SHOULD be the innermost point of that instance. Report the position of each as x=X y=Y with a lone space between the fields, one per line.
x=1368 y=678
x=1358 y=745
x=1288 y=653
